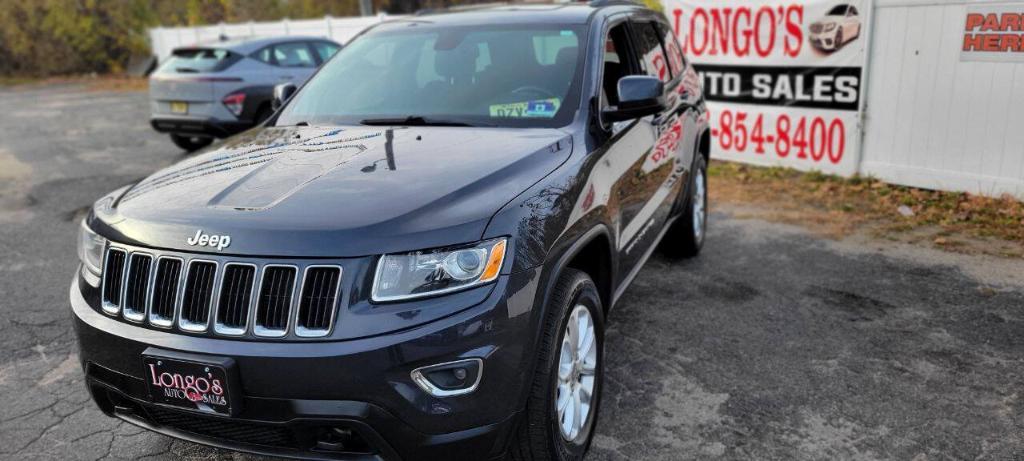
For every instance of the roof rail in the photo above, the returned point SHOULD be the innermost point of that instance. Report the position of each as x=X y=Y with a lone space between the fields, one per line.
x=458 y=8
x=600 y=3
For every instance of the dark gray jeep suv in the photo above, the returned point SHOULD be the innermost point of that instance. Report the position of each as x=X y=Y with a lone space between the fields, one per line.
x=415 y=256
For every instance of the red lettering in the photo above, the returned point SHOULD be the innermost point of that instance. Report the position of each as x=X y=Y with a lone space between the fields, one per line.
x=1009 y=22
x=699 y=14
x=794 y=18
x=741 y=48
x=991 y=23
x=973 y=21
x=764 y=51
x=990 y=42
x=972 y=42
x=1009 y=42
x=720 y=30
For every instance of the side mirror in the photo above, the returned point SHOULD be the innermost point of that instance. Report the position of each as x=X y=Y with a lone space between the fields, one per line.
x=282 y=93
x=639 y=96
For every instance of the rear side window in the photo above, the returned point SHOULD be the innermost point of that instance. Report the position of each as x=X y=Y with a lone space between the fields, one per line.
x=325 y=50
x=199 y=60
x=295 y=54
x=652 y=56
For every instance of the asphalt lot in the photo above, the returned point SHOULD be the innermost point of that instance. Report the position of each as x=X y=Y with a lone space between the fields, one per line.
x=774 y=344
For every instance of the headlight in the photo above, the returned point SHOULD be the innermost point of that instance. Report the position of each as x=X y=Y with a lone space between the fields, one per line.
x=426 y=273
x=830 y=26
x=90 y=249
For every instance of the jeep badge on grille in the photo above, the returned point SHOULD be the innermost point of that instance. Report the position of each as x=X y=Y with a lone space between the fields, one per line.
x=219 y=242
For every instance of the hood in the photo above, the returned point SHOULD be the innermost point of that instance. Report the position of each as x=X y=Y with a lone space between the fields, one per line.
x=335 y=192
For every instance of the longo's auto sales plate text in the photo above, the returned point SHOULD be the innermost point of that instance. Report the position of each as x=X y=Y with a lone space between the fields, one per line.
x=783 y=80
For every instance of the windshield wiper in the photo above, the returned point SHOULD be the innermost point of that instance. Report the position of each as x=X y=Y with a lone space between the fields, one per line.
x=187 y=70
x=413 y=120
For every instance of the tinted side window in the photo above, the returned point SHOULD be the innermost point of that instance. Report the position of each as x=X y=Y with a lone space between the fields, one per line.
x=325 y=50
x=676 y=62
x=294 y=54
x=264 y=55
x=651 y=55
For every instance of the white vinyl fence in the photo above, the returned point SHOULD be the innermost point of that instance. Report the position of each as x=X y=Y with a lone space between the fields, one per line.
x=165 y=39
x=932 y=119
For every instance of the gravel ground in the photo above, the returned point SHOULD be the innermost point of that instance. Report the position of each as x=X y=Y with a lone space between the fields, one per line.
x=774 y=344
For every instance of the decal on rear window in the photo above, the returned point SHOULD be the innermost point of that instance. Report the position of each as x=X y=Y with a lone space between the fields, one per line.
x=546 y=108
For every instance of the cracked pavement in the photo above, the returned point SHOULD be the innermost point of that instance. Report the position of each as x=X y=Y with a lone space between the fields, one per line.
x=774 y=344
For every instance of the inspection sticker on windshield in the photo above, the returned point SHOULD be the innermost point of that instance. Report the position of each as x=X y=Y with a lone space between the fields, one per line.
x=540 y=108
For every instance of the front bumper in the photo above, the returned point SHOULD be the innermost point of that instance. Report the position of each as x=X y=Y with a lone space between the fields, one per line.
x=293 y=390
x=198 y=126
x=824 y=40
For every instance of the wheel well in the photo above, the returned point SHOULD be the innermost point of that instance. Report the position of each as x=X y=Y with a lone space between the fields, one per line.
x=595 y=260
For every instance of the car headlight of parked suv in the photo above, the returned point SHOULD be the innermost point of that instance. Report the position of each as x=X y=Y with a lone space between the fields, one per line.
x=432 y=272
x=830 y=26
x=90 y=252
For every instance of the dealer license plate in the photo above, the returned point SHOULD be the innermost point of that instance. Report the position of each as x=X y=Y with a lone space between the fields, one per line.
x=191 y=385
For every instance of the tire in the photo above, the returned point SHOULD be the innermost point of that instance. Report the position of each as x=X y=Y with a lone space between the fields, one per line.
x=686 y=237
x=839 y=38
x=541 y=434
x=190 y=143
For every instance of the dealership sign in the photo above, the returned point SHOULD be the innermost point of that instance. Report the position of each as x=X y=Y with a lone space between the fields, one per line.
x=783 y=80
x=993 y=33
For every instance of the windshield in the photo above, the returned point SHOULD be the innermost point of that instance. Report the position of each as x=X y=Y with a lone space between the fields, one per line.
x=838 y=11
x=521 y=76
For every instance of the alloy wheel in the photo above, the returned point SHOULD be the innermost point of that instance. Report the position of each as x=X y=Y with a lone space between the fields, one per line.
x=577 y=366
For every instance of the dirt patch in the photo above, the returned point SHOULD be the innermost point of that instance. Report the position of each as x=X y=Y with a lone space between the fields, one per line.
x=839 y=207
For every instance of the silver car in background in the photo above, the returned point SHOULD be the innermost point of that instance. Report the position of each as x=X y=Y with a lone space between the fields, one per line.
x=218 y=89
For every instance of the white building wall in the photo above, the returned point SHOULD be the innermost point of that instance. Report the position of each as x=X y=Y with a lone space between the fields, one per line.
x=933 y=121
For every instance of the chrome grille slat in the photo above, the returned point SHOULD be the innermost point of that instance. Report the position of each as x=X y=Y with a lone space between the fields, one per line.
x=136 y=287
x=165 y=291
x=113 y=280
x=318 y=299
x=275 y=301
x=235 y=298
x=220 y=296
x=198 y=295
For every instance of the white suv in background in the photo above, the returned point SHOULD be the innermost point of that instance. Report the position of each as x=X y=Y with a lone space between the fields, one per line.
x=840 y=26
x=218 y=89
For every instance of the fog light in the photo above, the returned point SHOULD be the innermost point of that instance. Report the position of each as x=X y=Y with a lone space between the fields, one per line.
x=449 y=379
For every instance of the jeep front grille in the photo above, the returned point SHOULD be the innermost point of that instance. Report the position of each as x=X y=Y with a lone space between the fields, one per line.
x=237 y=296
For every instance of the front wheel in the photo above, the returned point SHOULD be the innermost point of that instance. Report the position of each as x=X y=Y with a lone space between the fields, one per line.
x=561 y=411
x=686 y=237
x=190 y=143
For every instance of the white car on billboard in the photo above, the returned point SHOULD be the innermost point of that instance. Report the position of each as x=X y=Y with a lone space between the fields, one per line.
x=840 y=26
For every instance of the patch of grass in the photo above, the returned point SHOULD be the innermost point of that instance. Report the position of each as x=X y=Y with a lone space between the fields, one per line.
x=91 y=82
x=846 y=205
